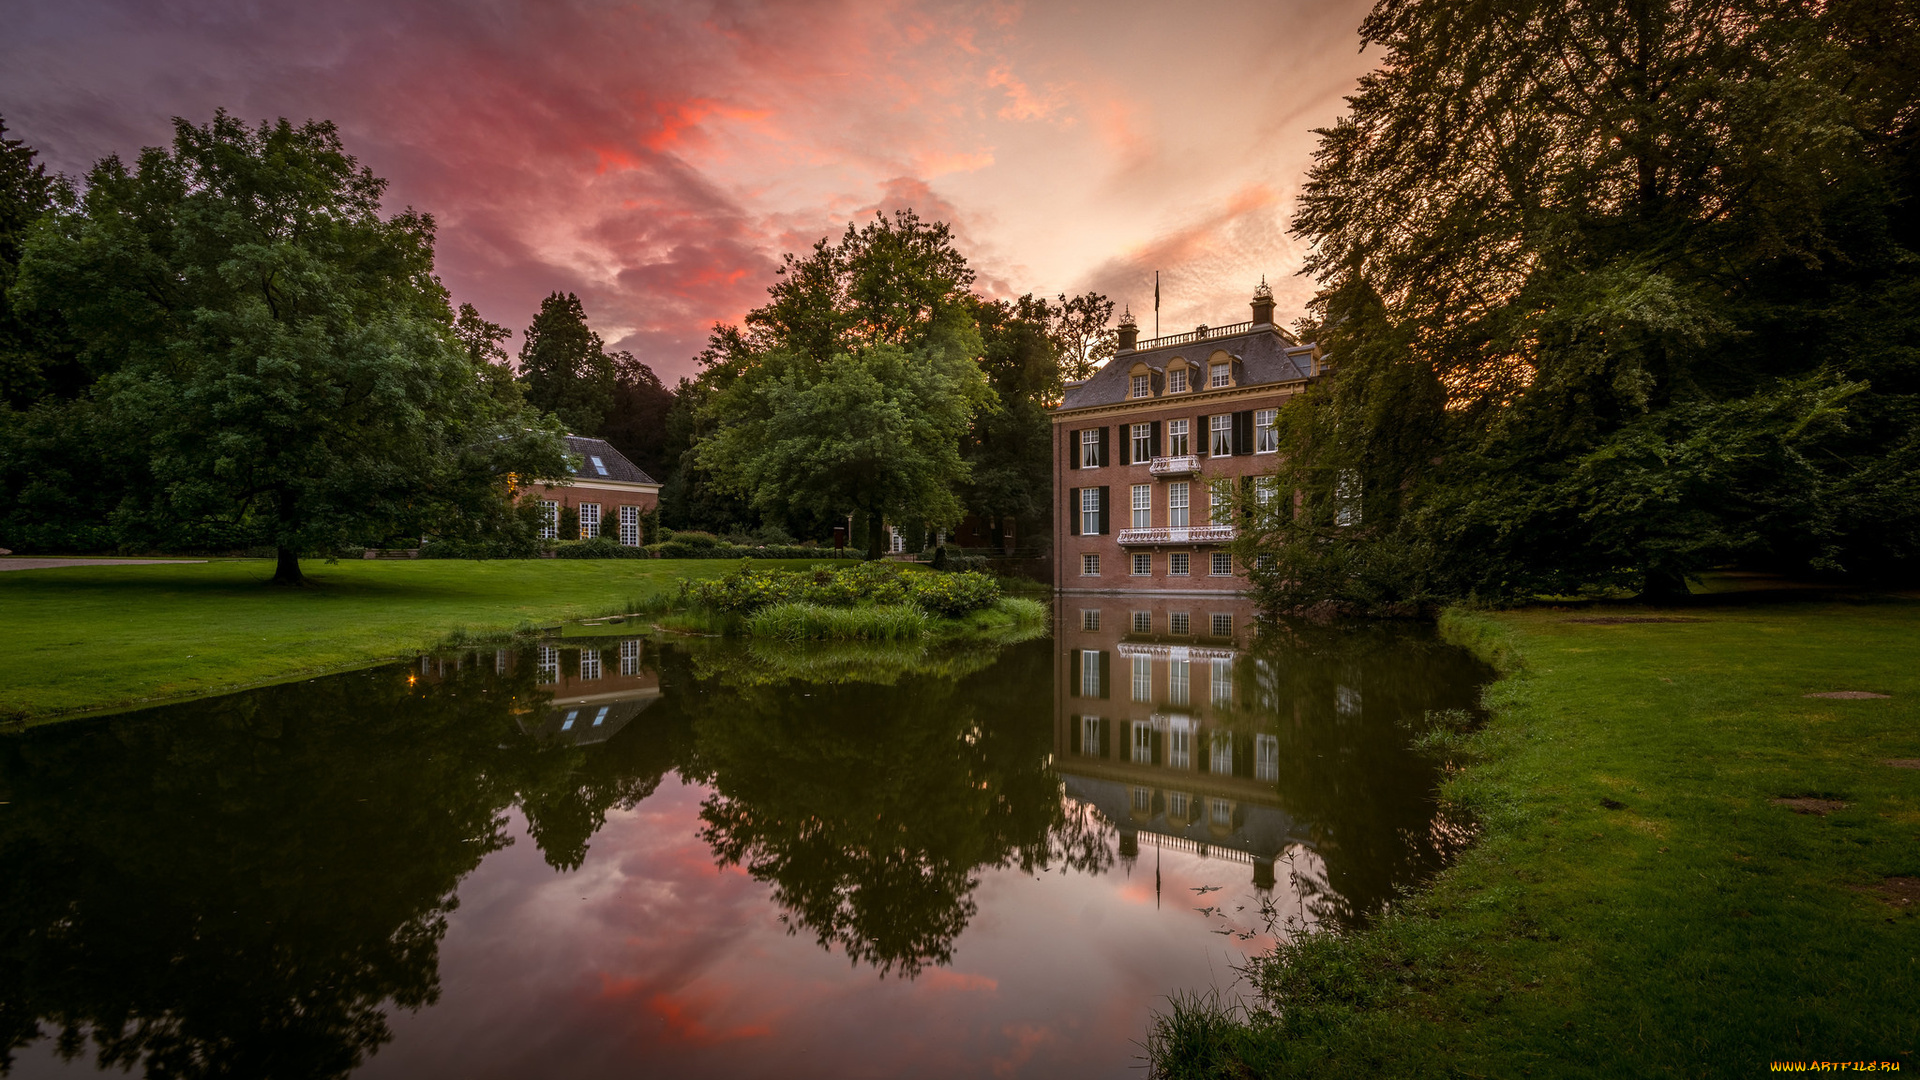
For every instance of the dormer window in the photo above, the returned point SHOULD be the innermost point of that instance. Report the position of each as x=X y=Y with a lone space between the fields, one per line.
x=599 y=466
x=1141 y=386
x=1177 y=381
x=1222 y=376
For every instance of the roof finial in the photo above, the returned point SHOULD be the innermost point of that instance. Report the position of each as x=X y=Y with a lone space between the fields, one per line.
x=1263 y=291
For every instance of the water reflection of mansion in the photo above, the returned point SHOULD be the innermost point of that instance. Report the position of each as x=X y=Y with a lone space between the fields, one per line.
x=1165 y=726
x=596 y=688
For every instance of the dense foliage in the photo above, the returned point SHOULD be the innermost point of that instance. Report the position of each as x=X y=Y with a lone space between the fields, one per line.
x=1616 y=292
x=747 y=590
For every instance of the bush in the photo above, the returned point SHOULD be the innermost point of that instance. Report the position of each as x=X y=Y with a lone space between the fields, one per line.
x=600 y=547
x=677 y=549
x=476 y=549
x=812 y=622
x=952 y=595
x=867 y=584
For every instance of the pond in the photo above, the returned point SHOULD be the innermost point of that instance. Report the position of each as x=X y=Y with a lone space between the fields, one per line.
x=690 y=856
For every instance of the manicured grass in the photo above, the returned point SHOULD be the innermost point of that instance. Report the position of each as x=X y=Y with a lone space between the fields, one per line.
x=1638 y=904
x=86 y=638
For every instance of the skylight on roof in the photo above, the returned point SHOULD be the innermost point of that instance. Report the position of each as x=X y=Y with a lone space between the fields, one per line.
x=599 y=466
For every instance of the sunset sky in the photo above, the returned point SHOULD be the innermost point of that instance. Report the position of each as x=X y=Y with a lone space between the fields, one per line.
x=657 y=158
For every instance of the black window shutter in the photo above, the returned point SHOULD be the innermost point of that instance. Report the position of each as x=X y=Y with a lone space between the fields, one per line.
x=1103 y=512
x=1203 y=438
x=1126 y=443
x=1103 y=448
x=1106 y=677
x=1243 y=432
x=1073 y=734
x=1073 y=669
x=1155 y=441
x=1073 y=511
x=1073 y=449
x=1246 y=498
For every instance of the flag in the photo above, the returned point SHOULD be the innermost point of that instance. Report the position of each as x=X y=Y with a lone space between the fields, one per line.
x=1156 y=292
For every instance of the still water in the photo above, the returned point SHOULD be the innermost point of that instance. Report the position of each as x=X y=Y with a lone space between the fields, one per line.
x=671 y=856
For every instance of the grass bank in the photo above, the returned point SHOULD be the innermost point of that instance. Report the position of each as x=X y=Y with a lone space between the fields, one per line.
x=1688 y=866
x=87 y=638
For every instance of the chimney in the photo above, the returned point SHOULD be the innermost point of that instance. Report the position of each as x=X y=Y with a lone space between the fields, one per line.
x=1263 y=303
x=1130 y=330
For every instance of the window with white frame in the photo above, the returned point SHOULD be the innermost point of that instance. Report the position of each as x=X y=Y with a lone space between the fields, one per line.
x=1220 y=435
x=589 y=520
x=1179 y=563
x=1346 y=498
x=1220 y=813
x=1265 y=488
x=1090 y=565
x=547 y=664
x=1090 y=736
x=1142 y=386
x=1222 y=624
x=1143 y=743
x=1179 y=623
x=630 y=658
x=1143 y=622
x=1143 y=506
x=1090 y=672
x=1090 y=448
x=1222 y=682
x=1179 y=745
x=1177 y=445
x=1179 y=681
x=1266 y=433
x=1220 y=755
x=629 y=526
x=1089 y=511
x=896 y=543
x=1142 y=564
x=500 y=661
x=1222 y=564
x=1177 y=380
x=1177 y=504
x=1266 y=757
x=1142 y=442
x=1090 y=619
x=1222 y=376
x=589 y=663
x=1219 y=501
x=1142 y=678
x=549 y=520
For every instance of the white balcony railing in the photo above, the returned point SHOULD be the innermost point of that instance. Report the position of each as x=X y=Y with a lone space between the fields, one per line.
x=1200 y=534
x=1184 y=465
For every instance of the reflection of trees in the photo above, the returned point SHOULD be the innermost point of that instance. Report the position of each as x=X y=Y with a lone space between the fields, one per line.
x=870 y=808
x=1368 y=798
x=236 y=887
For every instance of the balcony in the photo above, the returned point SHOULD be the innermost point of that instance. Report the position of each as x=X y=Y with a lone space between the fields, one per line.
x=1200 y=534
x=1184 y=465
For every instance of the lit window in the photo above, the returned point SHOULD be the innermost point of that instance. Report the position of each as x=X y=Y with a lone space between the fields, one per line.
x=1222 y=376
x=1220 y=760
x=1090 y=620
x=1177 y=381
x=1142 y=564
x=630 y=658
x=1142 y=744
x=629 y=526
x=1222 y=681
x=1143 y=506
x=589 y=520
x=1090 y=448
x=1142 y=678
x=1089 y=511
x=1179 y=681
x=1142 y=442
x=1140 y=387
x=1266 y=436
x=1266 y=757
x=599 y=466
x=1222 y=566
x=1143 y=622
x=1090 y=672
x=1179 y=623
x=589 y=663
x=1177 y=563
x=1177 y=504
x=567 y=724
x=1220 y=430
x=1177 y=438
x=1222 y=624
x=1090 y=565
x=549 y=520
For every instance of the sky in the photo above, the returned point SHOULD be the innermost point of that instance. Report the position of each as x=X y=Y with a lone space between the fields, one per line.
x=658 y=158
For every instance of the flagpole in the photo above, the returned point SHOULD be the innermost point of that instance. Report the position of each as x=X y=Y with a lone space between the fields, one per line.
x=1156 y=303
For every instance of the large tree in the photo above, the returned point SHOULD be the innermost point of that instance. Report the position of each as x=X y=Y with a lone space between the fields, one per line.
x=566 y=367
x=275 y=350
x=1615 y=292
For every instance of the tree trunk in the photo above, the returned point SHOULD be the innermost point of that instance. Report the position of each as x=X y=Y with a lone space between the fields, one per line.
x=287 y=570
x=1664 y=587
x=875 y=536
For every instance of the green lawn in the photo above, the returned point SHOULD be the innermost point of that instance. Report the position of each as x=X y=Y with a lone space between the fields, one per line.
x=1638 y=903
x=84 y=638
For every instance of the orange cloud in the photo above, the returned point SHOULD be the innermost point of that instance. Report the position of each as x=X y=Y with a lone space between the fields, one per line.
x=943 y=979
x=690 y=1029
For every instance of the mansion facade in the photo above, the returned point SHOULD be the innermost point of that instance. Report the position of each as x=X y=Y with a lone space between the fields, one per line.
x=609 y=494
x=1147 y=453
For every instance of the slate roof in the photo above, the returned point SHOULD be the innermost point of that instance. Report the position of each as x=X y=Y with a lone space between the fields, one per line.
x=618 y=467
x=1261 y=356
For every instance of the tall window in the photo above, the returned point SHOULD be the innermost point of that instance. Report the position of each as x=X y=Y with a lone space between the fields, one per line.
x=1142 y=799
x=1142 y=564
x=1222 y=376
x=1266 y=757
x=589 y=520
x=589 y=663
x=1090 y=448
x=1177 y=504
x=1179 y=745
x=630 y=658
x=896 y=543
x=1179 y=564
x=1143 y=743
x=1141 y=386
x=1090 y=565
x=1177 y=445
x=1143 y=678
x=629 y=526
x=1222 y=567
x=1090 y=736
x=1177 y=381
x=1221 y=763
x=1266 y=436
x=549 y=520
x=1346 y=498
x=1265 y=488
x=1220 y=435
x=1142 y=442
x=547 y=665
x=1090 y=672
x=1220 y=813
x=1223 y=682
x=1219 y=500
x=1143 y=506
x=1177 y=805
x=1179 y=681
x=1089 y=511
x=1179 y=623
